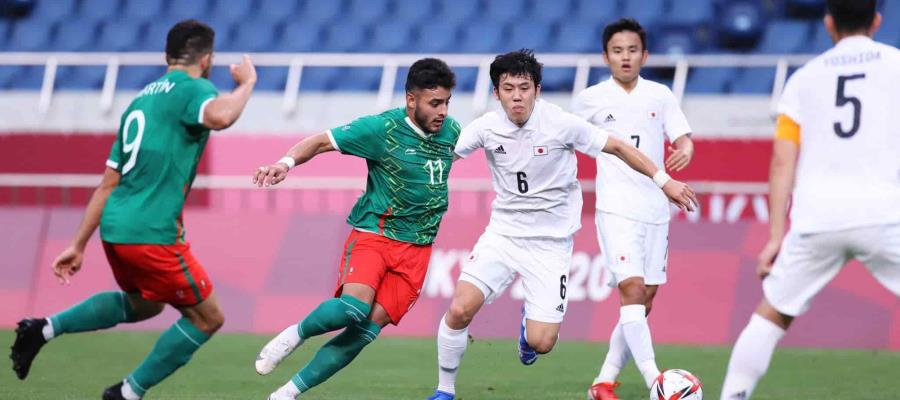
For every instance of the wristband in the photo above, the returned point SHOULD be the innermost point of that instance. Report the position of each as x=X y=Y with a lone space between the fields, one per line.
x=287 y=160
x=661 y=178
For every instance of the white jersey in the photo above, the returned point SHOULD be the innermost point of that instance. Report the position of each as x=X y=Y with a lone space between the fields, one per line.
x=533 y=169
x=644 y=118
x=846 y=102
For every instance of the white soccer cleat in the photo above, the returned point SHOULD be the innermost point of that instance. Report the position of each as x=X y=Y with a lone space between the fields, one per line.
x=276 y=350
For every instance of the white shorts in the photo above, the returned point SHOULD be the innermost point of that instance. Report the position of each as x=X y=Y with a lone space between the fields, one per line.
x=633 y=249
x=808 y=261
x=542 y=262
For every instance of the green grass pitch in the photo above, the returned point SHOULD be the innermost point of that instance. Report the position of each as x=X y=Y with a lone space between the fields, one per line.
x=81 y=366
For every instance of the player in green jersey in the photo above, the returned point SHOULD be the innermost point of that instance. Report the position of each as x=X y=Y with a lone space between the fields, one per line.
x=408 y=151
x=138 y=207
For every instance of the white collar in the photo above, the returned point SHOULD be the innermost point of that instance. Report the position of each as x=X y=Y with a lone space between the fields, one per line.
x=637 y=85
x=416 y=128
x=855 y=39
x=533 y=123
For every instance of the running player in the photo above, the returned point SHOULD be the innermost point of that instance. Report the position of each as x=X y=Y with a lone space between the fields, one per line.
x=530 y=148
x=836 y=148
x=138 y=207
x=409 y=151
x=632 y=215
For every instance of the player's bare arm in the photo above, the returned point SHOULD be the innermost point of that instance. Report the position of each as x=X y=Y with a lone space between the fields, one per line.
x=224 y=110
x=68 y=262
x=682 y=151
x=781 y=184
x=678 y=192
x=302 y=152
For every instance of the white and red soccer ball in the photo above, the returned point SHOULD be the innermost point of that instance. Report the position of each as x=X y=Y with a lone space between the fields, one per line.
x=676 y=384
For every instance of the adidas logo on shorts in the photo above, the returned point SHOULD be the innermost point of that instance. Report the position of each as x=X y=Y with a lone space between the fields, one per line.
x=499 y=150
x=610 y=118
x=561 y=308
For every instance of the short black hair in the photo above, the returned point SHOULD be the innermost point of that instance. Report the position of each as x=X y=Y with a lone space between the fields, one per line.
x=430 y=73
x=187 y=41
x=852 y=15
x=516 y=63
x=624 y=25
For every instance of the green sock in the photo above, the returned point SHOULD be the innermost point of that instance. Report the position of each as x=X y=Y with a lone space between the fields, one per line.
x=100 y=311
x=173 y=349
x=333 y=314
x=336 y=354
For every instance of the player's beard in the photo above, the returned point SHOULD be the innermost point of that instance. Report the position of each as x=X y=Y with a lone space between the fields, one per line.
x=422 y=121
x=207 y=71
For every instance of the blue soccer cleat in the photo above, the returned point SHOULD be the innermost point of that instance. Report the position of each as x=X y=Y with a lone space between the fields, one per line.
x=440 y=395
x=527 y=355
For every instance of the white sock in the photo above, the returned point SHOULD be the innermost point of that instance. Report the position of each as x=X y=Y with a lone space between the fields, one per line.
x=128 y=393
x=616 y=357
x=451 y=348
x=633 y=319
x=750 y=357
x=47 y=330
x=288 y=389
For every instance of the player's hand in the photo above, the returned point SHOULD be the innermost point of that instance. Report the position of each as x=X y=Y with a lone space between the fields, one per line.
x=244 y=72
x=67 y=264
x=679 y=158
x=270 y=175
x=681 y=194
x=767 y=257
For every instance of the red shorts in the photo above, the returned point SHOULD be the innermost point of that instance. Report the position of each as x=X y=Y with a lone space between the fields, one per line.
x=161 y=273
x=395 y=269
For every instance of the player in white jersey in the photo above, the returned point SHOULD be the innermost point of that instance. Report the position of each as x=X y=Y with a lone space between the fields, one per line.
x=632 y=215
x=845 y=177
x=530 y=147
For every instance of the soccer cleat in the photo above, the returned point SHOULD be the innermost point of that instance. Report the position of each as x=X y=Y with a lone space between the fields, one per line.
x=277 y=349
x=280 y=395
x=29 y=340
x=527 y=355
x=114 y=392
x=441 y=395
x=603 y=391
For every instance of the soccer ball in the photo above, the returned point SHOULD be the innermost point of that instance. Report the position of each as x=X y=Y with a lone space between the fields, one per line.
x=676 y=384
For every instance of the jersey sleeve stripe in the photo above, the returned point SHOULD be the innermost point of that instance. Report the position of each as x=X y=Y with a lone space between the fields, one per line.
x=333 y=142
x=202 y=108
x=112 y=164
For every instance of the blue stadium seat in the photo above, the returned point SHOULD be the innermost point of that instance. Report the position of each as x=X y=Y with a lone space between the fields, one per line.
x=322 y=12
x=344 y=36
x=674 y=42
x=415 y=10
x=48 y=12
x=465 y=78
x=5 y=25
x=709 y=80
x=889 y=32
x=805 y=8
x=230 y=11
x=28 y=78
x=532 y=34
x=392 y=36
x=552 y=10
x=30 y=35
x=690 y=13
x=7 y=75
x=459 y=12
x=557 y=79
x=579 y=36
x=154 y=38
x=221 y=77
x=484 y=36
x=443 y=38
x=99 y=10
x=367 y=11
x=136 y=77
x=80 y=78
x=198 y=9
x=319 y=79
x=599 y=11
x=271 y=78
x=647 y=12
x=224 y=34
x=754 y=81
x=135 y=11
x=119 y=36
x=358 y=79
x=255 y=35
x=820 y=41
x=597 y=75
x=75 y=35
x=740 y=23
x=783 y=37
x=300 y=37
x=277 y=11
x=503 y=11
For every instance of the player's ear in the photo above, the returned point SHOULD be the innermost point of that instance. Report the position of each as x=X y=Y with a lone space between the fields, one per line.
x=605 y=57
x=876 y=23
x=537 y=91
x=496 y=93
x=410 y=100
x=829 y=26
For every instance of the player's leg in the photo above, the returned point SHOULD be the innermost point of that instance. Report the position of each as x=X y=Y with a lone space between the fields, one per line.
x=879 y=250
x=453 y=334
x=177 y=278
x=804 y=267
x=101 y=311
x=544 y=266
x=361 y=270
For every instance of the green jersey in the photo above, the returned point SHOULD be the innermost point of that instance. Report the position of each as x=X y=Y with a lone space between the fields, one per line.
x=406 y=190
x=160 y=140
